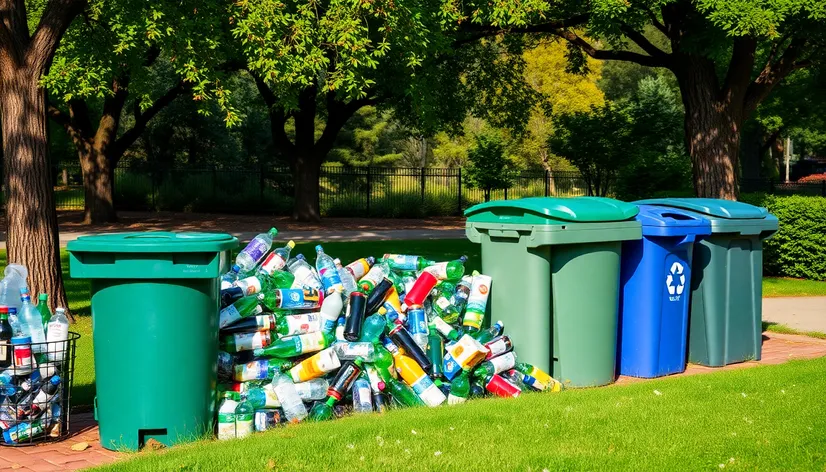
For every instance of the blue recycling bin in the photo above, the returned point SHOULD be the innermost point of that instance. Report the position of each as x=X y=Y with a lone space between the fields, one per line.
x=655 y=286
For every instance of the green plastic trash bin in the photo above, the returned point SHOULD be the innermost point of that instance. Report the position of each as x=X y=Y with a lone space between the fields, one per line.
x=725 y=323
x=555 y=264
x=155 y=307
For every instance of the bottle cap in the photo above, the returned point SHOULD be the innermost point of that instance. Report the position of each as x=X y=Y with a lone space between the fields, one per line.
x=236 y=268
x=291 y=244
x=4 y=309
x=12 y=310
x=319 y=248
x=21 y=340
x=60 y=310
x=273 y=231
x=43 y=297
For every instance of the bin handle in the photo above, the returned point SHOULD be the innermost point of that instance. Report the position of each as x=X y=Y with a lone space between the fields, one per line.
x=503 y=233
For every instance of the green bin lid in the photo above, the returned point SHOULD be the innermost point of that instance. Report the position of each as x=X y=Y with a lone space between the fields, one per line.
x=549 y=210
x=154 y=241
x=712 y=207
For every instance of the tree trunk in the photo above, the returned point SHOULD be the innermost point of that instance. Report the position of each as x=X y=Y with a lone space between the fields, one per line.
x=712 y=130
x=97 y=185
x=306 y=172
x=32 y=238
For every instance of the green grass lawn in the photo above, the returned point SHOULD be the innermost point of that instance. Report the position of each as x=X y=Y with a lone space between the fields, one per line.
x=78 y=290
x=768 y=418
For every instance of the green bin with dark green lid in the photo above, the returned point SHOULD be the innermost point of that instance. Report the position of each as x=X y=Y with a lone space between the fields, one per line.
x=155 y=301
x=555 y=265
x=725 y=322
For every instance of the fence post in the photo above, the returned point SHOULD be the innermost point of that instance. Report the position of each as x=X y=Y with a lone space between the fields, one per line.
x=547 y=183
x=152 y=180
x=214 y=180
x=506 y=193
x=459 y=202
x=423 y=185
x=369 y=187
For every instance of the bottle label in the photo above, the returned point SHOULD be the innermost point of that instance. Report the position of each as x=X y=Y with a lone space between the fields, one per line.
x=497 y=347
x=417 y=321
x=473 y=319
x=304 y=277
x=442 y=303
x=4 y=353
x=226 y=425
x=503 y=362
x=250 y=341
x=311 y=342
x=330 y=278
x=402 y=262
x=298 y=298
x=23 y=356
x=363 y=396
x=243 y=425
x=272 y=263
x=255 y=370
x=428 y=392
x=256 y=249
x=479 y=292
x=375 y=275
x=438 y=270
x=454 y=400
x=302 y=324
x=250 y=285
x=228 y=316
x=225 y=284
x=442 y=326
x=353 y=350
x=423 y=383
x=358 y=268
x=270 y=399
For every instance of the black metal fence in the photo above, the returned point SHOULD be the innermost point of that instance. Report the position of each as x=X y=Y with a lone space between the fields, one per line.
x=343 y=191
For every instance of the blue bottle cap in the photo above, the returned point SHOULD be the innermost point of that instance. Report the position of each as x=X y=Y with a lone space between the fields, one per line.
x=12 y=310
x=236 y=268
x=55 y=380
x=24 y=291
x=21 y=340
x=36 y=376
x=301 y=257
x=319 y=248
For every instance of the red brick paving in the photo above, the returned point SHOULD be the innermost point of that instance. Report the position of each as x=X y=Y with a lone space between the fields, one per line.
x=777 y=349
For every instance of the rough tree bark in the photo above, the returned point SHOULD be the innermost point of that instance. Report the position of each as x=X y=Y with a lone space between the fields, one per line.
x=99 y=149
x=32 y=238
x=305 y=153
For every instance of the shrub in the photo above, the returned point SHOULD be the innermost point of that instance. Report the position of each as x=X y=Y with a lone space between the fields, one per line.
x=799 y=247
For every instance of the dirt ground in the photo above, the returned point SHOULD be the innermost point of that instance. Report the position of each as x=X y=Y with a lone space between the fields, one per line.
x=167 y=221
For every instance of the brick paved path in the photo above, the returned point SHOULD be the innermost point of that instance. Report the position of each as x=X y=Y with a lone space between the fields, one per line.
x=777 y=349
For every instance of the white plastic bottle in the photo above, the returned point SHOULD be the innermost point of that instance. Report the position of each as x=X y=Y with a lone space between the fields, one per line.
x=305 y=274
x=31 y=323
x=56 y=335
x=287 y=394
x=256 y=249
x=330 y=311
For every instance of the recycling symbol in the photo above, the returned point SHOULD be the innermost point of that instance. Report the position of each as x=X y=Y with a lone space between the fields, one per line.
x=295 y=296
x=675 y=280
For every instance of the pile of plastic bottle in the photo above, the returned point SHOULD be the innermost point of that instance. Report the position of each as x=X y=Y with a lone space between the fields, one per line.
x=310 y=343
x=33 y=345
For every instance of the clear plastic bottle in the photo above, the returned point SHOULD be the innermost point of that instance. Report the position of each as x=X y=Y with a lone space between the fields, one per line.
x=315 y=389
x=347 y=280
x=228 y=279
x=255 y=250
x=294 y=409
x=31 y=322
x=226 y=416
x=362 y=395
x=57 y=334
x=14 y=279
x=305 y=274
x=327 y=270
x=244 y=418
x=277 y=259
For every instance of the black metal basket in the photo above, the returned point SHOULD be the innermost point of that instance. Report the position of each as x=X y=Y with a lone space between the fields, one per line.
x=35 y=399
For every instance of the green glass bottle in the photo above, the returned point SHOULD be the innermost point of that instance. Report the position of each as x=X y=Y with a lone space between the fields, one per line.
x=459 y=388
x=402 y=394
x=452 y=270
x=263 y=282
x=290 y=325
x=293 y=346
x=372 y=328
x=485 y=335
x=322 y=411
x=242 y=308
x=43 y=308
x=399 y=262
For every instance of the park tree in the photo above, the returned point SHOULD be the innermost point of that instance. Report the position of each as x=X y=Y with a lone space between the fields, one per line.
x=30 y=33
x=139 y=56
x=320 y=62
x=726 y=56
x=596 y=142
x=489 y=169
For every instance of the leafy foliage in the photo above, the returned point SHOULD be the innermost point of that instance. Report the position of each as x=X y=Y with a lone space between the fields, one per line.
x=596 y=142
x=489 y=168
x=799 y=247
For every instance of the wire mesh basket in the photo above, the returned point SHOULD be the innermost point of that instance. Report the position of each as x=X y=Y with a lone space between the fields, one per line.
x=36 y=391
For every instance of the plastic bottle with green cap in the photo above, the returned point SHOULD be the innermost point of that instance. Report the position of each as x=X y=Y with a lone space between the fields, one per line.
x=242 y=308
x=255 y=250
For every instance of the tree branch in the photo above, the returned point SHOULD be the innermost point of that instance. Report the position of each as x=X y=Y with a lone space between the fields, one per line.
x=480 y=32
x=739 y=68
x=613 y=55
x=53 y=23
x=278 y=118
x=129 y=137
x=772 y=74
x=59 y=116
x=656 y=22
x=642 y=41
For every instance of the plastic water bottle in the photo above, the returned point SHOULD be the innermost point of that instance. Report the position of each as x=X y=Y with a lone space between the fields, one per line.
x=305 y=274
x=347 y=279
x=315 y=389
x=31 y=322
x=326 y=267
x=14 y=321
x=14 y=280
x=226 y=416
x=362 y=395
x=287 y=394
x=228 y=279
x=243 y=418
x=57 y=334
x=249 y=257
x=277 y=259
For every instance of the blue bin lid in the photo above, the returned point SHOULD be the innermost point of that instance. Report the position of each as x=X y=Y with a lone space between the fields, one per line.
x=727 y=209
x=666 y=221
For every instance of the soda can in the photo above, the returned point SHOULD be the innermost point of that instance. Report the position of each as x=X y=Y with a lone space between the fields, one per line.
x=267 y=419
x=417 y=320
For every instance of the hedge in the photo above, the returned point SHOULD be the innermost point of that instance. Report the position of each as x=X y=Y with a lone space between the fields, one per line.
x=799 y=247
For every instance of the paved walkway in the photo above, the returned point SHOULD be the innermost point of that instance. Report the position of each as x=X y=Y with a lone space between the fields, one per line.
x=800 y=313
x=777 y=349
